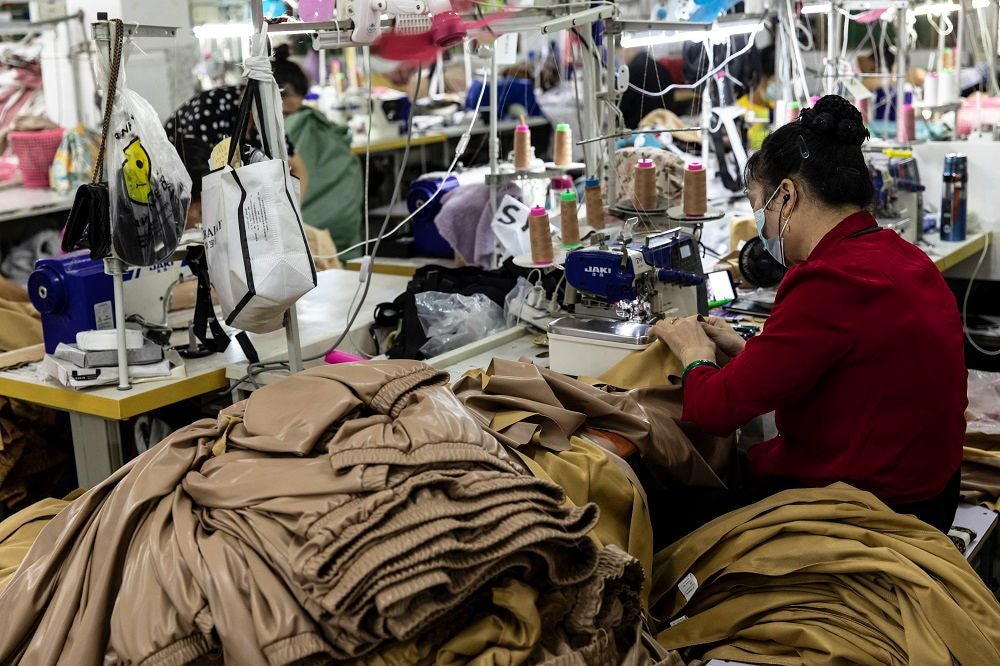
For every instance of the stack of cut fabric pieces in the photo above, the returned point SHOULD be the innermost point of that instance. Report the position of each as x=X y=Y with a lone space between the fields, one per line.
x=981 y=455
x=823 y=575
x=348 y=514
x=981 y=469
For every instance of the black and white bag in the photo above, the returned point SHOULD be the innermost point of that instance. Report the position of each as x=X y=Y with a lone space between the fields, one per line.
x=258 y=258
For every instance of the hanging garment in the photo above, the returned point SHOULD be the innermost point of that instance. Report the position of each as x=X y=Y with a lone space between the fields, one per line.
x=335 y=196
x=465 y=221
x=823 y=575
x=329 y=516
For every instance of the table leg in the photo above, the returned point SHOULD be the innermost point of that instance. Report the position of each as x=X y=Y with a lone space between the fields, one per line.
x=97 y=446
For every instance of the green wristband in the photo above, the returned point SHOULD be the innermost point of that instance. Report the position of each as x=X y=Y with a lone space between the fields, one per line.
x=696 y=364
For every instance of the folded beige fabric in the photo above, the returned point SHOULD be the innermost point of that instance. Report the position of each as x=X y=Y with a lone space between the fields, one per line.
x=820 y=576
x=335 y=514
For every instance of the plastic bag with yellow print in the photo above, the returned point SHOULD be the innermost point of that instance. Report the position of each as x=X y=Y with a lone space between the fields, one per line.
x=150 y=188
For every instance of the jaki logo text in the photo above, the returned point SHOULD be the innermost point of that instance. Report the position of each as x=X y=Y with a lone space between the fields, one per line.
x=598 y=270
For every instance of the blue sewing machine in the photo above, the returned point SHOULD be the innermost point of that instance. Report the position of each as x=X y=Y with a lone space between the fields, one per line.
x=616 y=293
x=73 y=294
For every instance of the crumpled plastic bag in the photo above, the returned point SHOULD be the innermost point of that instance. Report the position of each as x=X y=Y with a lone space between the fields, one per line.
x=983 y=413
x=74 y=161
x=149 y=186
x=452 y=320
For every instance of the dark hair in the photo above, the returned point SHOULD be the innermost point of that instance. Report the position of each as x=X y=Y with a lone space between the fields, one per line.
x=195 y=154
x=767 y=60
x=822 y=150
x=288 y=75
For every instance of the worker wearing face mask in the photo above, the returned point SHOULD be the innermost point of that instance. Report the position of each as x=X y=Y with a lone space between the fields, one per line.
x=862 y=358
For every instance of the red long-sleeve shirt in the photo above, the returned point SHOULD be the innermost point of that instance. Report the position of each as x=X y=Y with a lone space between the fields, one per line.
x=862 y=362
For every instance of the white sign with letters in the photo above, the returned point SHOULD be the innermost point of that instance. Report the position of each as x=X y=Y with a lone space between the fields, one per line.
x=510 y=225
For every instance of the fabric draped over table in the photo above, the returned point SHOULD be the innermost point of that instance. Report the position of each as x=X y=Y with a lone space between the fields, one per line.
x=387 y=519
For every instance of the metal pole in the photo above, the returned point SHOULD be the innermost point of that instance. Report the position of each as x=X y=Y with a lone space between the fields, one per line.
x=609 y=174
x=959 y=44
x=832 y=56
x=494 y=131
x=900 y=63
x=114 y=267
x=782 y=63
x=589 y=115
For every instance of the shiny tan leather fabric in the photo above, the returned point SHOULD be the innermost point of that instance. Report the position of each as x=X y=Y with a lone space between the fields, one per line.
x=548 y=408
x=18 y=533
x=336 y=512
x=824 y=576
x=644 y=369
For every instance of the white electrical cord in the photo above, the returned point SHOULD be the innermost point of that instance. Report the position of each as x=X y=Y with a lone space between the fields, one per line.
x=463 y=143
x=702 y=80
x=965 y=302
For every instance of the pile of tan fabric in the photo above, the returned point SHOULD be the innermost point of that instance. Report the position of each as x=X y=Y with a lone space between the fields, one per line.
x=823 y=575
x=349 y=513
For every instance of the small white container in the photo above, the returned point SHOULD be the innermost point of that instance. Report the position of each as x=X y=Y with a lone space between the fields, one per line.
x=589 y=347
x=931 y=89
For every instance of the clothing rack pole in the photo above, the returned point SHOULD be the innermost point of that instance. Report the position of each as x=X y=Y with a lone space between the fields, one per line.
x=292 y=340
x=113 y=265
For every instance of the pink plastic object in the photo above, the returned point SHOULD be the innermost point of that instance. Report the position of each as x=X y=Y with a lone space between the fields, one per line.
x=521 y=128
x=644 y=164
x=336 y=357
x=538 y=211
x=906 y=125
x=447 y=29
x=695 y=166
x=970 y=114
x=562 y=183
x=35 y=152
x=314 y=11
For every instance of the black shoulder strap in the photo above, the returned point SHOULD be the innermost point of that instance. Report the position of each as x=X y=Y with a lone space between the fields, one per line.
x=204 y=313
x=865 y=231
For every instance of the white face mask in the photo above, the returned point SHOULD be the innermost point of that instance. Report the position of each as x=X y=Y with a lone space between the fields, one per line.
x=774 y=246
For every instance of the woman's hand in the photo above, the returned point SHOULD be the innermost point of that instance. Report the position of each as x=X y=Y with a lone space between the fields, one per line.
x=728 y=341
x=686 y=339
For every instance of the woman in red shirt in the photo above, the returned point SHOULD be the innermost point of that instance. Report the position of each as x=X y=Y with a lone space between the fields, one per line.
x=862 y=358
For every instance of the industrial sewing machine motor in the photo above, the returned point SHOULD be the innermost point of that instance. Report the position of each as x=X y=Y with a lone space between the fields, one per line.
x=73 y=294
x=617 y=293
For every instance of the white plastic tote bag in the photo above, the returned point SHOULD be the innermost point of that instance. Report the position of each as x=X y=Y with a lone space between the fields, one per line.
x=258 y=258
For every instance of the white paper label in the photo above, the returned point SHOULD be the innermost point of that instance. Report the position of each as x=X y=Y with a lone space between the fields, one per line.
x=688 y=586
x=104 y=317
x=678 y=620
x=857 y=89
x=510 y=226
x=506 y=49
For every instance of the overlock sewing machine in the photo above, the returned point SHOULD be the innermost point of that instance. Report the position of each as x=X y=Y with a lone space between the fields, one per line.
x=616 y=292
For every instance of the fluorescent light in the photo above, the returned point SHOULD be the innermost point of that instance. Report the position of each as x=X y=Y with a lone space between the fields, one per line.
x=936 y=8
x=980 y=4
x=718 y=32
x=819 y=8
x=222 y=30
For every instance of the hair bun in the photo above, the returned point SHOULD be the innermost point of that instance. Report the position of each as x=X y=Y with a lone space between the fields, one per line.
x=282 y=52
x=835 y=119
